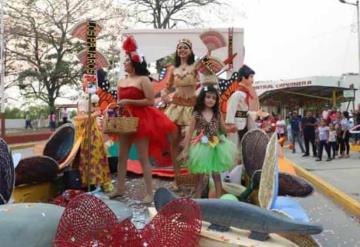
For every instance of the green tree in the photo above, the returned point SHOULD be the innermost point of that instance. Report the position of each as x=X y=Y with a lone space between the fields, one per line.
x=41 y=49
x=13 y=112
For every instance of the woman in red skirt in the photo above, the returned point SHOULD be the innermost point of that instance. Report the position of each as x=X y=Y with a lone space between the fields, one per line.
x=136 y=94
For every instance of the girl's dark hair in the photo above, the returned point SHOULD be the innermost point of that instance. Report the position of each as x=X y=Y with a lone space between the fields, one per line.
x=346 y=114
x=191 y=58
x=200 y=100
x=140 y=68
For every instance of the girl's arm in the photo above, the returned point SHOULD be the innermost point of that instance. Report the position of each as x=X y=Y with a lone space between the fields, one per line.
x=189 y=134
x=148 y=92
x=223 y=129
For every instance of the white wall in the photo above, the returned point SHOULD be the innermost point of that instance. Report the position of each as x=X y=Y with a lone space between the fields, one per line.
x=14 y=123
x=20 y=123
x=155 y=44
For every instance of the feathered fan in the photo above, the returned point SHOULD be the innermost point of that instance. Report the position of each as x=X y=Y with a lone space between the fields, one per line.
x=213 y=40
x=101 y=61
x=80 y=30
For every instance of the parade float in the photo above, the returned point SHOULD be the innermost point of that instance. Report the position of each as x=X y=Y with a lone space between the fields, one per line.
x=257 y=214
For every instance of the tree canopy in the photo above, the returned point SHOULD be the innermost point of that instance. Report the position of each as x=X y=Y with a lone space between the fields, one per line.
x=167 y=14
x=40 y=53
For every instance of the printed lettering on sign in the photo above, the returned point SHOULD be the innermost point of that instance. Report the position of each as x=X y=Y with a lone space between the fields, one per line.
x=91 y=48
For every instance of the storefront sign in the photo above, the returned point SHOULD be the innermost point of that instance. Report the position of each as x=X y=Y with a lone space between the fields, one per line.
x=348 y=93
x=91 y=48
x=261 y=86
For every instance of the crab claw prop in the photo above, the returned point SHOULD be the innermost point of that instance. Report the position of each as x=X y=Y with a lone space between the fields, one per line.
x=88 y=222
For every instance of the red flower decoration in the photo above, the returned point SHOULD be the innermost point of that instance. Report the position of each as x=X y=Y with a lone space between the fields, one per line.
x=135 y=57
x=129 y=44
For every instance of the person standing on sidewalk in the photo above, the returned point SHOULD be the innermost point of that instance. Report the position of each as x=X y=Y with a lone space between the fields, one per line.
x=345 y=135
x=323 y=130
x=336 y=122
x=64 y=114
x=28 y=121
x=52 y=120
x=280 y=129
x=357 y=122
x=296 y=131
x=309 y=124
x=332 y=140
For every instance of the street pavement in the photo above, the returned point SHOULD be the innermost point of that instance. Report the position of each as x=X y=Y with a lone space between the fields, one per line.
x=344 y=174
x=340 y=227
x=25 y=153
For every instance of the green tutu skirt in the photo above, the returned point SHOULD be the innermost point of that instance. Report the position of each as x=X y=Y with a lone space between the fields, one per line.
x=204 y=158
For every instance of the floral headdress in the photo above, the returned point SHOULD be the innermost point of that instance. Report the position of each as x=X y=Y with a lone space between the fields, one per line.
x=131 y=48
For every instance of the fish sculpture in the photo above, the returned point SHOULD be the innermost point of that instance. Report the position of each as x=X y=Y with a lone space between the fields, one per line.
x=227 y=213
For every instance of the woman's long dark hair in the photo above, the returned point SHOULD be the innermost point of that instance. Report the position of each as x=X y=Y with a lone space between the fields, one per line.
x=191 y=58
x=140 y=68
x=200 y=100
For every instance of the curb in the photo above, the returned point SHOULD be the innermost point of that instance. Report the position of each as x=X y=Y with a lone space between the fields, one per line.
x=339 y=197
x=23 y=145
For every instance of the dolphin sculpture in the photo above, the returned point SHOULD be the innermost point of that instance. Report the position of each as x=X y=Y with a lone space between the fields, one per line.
x=241 y=215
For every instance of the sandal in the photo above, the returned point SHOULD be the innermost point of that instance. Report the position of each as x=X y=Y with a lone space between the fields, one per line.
x=148 y=199
x=116 y=193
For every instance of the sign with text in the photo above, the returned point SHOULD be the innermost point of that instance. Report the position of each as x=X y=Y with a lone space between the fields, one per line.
x=348 y=93
x=91 y=48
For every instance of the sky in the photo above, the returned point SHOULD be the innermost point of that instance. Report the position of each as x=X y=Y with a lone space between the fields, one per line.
x=288 y=39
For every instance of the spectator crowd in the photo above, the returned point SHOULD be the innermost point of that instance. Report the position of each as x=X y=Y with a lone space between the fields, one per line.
x=330 y=130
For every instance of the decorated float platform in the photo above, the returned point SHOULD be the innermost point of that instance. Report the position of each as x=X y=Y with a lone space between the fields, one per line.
x=257 y=207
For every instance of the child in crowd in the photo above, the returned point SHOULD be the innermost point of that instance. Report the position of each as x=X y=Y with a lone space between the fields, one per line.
x=207 y=150
x=323 y=131
x=280 y=129
x=332 y=140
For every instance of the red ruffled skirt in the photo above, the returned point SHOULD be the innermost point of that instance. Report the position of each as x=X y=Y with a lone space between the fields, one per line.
x=154 y=125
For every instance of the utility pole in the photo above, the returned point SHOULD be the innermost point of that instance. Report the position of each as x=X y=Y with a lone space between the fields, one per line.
x=356 y=4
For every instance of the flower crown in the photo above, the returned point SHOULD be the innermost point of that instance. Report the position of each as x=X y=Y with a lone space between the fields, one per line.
x=186 y=42
x=131 y=48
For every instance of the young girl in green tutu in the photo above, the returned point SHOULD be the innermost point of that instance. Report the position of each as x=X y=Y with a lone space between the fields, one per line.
x=207 y=150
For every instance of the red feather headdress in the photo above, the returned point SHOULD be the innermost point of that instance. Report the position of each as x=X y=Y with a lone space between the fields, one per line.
x=130 y=47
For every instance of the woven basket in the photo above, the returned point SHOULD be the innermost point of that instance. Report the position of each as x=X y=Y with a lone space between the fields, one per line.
x=186 y=180
x=121 y=124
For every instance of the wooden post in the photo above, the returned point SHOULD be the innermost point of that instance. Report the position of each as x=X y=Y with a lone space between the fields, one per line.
x=2 y=116
x=333 y=98
x=90 y=70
